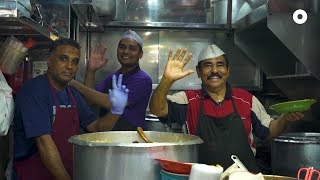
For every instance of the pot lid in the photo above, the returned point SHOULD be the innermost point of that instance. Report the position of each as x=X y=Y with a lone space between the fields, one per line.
x=302 y=137
x=133 y=139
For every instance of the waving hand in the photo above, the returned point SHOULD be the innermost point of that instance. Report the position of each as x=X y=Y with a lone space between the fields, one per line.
x=96 y=59
x=175 y=64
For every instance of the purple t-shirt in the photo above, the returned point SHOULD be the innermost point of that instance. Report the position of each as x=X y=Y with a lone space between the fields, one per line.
x=140 y=87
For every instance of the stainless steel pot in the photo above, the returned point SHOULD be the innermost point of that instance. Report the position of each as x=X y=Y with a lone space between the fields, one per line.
x=119 y=158
x=292 y=151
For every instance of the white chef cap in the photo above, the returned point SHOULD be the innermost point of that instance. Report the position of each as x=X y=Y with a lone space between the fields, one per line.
x=132 y=35
x=212 y=51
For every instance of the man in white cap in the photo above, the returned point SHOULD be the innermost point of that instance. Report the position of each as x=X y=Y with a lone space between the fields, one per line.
x=224 y=118
x=129 y=53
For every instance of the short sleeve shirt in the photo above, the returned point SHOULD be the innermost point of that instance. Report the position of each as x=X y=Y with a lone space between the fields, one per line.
x=183 y=107
x=35 y=111
x=140 y=87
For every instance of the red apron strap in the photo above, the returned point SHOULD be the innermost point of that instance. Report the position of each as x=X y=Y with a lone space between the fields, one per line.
x=73 y=99
x=53 y=92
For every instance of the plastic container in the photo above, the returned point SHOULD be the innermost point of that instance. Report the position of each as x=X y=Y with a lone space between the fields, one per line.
x=12 y=54
x=172 y=176
x=205 y=172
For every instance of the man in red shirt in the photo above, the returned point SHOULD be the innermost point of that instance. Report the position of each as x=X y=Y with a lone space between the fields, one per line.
x=225 y=118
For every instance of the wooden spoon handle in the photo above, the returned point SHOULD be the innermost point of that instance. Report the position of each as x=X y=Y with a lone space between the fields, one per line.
x=143 y=135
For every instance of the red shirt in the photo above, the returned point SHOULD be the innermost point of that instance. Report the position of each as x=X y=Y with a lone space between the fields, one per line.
x=183 y=108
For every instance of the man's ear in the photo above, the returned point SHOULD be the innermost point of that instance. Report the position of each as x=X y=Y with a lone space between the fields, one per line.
x=141 y=54
x=49 y=61
x=198 y=71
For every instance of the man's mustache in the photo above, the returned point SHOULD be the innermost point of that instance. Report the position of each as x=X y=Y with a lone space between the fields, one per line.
x=214 y=75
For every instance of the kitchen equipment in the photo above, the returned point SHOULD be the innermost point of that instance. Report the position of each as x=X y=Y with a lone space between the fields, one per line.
x=9 y=8
x=12 y=53
x=238 y=162
x=101 y=7
x=205 y=172
x=293 y=106
x=275 y=177
x=112 y=155
x=105 y=8
x=308 y=174
x=174 y=166
x=292 y=151
x=143 y=135
x=173 y=176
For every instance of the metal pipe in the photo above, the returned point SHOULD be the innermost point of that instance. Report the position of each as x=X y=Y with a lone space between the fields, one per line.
x=229 y=15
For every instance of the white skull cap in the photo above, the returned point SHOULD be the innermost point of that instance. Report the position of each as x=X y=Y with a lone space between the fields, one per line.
x=132 y=35
x=212 y=51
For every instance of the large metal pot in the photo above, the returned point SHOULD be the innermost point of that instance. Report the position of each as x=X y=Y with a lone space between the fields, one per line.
x=119 y=158
x=292 y=151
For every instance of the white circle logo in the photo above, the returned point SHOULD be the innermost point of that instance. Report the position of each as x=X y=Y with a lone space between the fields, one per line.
x=300 y=16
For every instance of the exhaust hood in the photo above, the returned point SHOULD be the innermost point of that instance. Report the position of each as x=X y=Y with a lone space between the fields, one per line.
x=281 y=47
x=287 y=52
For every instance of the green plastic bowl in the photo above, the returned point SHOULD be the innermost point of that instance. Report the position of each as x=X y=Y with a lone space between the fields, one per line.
x=173 y=176
x=293 y=106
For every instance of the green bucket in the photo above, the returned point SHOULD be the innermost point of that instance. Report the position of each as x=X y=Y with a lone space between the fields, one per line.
x=172 y=176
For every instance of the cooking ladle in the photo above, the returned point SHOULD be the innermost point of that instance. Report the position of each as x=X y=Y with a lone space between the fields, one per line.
x=238 y=162
x=143 y=135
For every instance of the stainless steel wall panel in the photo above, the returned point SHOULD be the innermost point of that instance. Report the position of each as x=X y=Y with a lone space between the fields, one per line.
x=110 y=38
x=186 y=11
x=243 y=73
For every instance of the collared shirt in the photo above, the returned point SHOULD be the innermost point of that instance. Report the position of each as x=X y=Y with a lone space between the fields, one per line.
x=183 y=107
x=140 y=87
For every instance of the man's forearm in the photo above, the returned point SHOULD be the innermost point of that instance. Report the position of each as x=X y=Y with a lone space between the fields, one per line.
x=89 y=79
x=92 y=96
x=158 y=103
x=276 y=127
x=51 y=158
x=105 y=123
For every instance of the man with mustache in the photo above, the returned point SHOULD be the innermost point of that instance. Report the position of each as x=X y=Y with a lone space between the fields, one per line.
x=224 y=118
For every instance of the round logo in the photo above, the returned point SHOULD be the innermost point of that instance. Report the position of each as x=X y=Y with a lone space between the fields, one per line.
x=300 y=16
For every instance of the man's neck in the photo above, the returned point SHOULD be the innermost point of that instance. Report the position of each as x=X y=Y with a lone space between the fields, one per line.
x=217 y=94
x=127 y=69
x=58 y=86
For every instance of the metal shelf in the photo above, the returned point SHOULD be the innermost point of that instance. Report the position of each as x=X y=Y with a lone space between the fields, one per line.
x=166 y=25
x=23 y=27
x=292 y=76
x=20 y=25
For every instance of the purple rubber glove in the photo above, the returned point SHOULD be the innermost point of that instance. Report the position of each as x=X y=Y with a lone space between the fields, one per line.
x=118 y=95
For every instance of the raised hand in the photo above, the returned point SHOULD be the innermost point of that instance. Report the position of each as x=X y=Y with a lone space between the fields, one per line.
x=174 y=67
x=96 y=58
x=118 y=95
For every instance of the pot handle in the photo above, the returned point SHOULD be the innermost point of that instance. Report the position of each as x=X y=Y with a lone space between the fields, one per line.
x=143 y=135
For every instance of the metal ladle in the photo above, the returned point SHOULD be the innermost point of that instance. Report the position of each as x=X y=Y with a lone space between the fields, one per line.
x=238 y=162
x=143 y=135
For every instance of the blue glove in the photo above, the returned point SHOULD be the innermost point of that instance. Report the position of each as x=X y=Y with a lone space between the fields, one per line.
x=118 y=95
